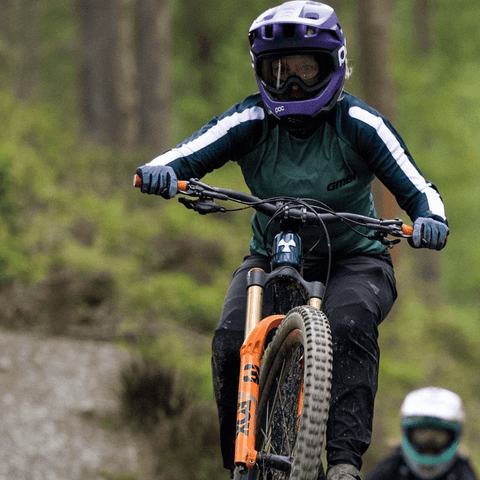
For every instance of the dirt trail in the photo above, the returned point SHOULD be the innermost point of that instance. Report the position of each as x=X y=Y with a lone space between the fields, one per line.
x=59 y=405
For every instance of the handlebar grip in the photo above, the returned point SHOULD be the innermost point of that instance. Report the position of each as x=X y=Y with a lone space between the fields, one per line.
x=182 y=185
x=407 y=229
x=137 y=181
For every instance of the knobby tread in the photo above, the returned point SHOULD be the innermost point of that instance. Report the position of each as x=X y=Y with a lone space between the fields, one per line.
x=317 y=345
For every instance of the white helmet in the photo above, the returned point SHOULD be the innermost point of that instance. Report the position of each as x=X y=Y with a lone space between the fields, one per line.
x=431 y=420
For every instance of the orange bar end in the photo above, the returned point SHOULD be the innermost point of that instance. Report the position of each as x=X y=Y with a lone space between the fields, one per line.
x=137 y=181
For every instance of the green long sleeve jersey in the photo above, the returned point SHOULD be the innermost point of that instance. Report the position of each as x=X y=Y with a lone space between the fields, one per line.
x=335 y=164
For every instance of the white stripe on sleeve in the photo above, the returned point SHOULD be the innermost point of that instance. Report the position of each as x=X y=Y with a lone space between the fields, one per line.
x=398 y=153
x=210 y=136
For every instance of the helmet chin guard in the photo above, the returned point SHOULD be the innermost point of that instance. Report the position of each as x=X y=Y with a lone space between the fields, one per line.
x=298 y=28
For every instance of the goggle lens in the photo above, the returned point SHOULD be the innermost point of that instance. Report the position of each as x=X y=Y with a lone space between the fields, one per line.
x=311 y=70
x=431 y=441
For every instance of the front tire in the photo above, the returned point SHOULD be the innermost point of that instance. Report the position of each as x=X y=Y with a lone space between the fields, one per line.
x=295 y=382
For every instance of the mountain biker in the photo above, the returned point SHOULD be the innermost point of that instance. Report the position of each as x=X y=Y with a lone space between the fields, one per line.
x=302 y=135
x=432 y=420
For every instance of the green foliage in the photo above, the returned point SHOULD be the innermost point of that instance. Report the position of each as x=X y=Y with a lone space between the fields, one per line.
x=439 y=100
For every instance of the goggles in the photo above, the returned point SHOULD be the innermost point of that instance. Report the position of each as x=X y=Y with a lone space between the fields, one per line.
x=430 y=441
x=310 y=71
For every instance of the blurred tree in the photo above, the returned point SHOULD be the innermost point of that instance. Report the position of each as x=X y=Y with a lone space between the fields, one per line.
x=126 y=87
x=98 y=29
x=427 y=264
x=125 y=77
x=422 y=26
x=374 y=19
x=19 y=28
x=153 y=50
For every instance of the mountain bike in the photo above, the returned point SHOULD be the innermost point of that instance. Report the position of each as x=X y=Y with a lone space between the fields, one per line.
x=284 y=388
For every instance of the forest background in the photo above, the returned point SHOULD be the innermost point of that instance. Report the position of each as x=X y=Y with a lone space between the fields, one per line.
x=77 y=116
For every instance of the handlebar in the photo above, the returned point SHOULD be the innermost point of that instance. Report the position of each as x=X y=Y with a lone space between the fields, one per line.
x=286 y=208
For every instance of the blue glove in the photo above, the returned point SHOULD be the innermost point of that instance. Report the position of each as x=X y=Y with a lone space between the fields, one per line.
x=158 y=180
x=428 y=233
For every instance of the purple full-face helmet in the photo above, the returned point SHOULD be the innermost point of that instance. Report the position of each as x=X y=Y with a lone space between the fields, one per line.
x=299 y=56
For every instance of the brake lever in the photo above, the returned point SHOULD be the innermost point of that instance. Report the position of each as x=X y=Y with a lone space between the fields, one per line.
x=201 y=206
x=389 y=243
x=382 y=238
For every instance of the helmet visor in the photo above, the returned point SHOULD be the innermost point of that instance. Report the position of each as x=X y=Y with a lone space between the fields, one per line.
x=430 y=441
x=311 y=71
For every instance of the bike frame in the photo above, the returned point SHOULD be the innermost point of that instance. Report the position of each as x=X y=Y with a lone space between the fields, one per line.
x=286 y=263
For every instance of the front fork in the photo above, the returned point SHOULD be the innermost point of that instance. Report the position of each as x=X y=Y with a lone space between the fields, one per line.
x=251 y=352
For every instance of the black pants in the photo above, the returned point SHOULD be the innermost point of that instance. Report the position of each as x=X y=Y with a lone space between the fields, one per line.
x=360 y=293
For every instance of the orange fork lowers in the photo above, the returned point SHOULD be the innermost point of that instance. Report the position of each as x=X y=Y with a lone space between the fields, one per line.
x=249 y=389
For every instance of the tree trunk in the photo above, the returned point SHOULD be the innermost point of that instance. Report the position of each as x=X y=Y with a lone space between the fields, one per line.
x=126 y=86
x=374 y=19
x=125 y=78
x=98 y=28
x=422 y=26
x=336 y=4
x=5 y=19
x=153 y=64
x=19 y=28
x=427 y=264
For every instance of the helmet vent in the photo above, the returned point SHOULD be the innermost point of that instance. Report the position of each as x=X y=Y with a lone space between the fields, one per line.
x=268 y=31
x=312 y=15
x=289 y=30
